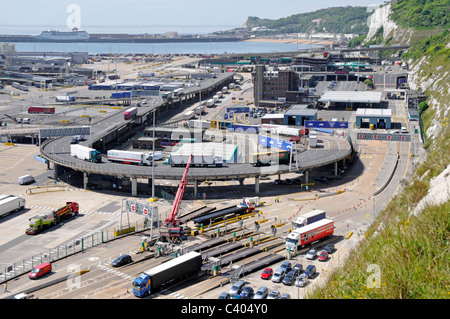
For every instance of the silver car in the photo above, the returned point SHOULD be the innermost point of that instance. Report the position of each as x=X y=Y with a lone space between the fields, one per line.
x=237 y=287
x=302 y=280
x=278 y=275
x=261 y=293
x=311 y=254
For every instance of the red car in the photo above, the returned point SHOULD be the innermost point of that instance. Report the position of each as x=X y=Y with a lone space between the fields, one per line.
x=295 y=139
x=267 y=273
x=323 y=256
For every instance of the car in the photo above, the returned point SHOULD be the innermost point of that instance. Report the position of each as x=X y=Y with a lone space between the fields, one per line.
x=121 y=260
x=301 y=280
x=329 y=248
x=323 y=256
x=310 y=271
x=289 y=278
x=278 y=275
x=247 y=292
x=237 y=287
x=320 y=179
x=237 y=296
x=74 y=140
x=311 y=254
x=298 y=268
x=267 y=273
x=275 y=294
x=261 y=293
x=224 y=295
x=285 y=296
x=295 y=139
x=287 y=266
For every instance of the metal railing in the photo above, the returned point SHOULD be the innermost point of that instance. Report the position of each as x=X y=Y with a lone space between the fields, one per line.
x=83 y=243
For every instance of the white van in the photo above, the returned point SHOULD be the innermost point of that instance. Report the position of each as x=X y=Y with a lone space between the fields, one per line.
x=404 y=130
x=26 y=121
x=26 y=179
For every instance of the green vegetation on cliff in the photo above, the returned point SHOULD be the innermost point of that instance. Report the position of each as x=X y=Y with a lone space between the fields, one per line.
x=333 y=20
x=421 y=13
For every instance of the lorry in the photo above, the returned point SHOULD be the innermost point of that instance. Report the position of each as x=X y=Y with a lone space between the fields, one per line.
x=167 y=273
x=188 y=115
x=64 y=98
x=85 y=153
x=128 y=157
x=197 y=160
x=130 y=113
x=312 y=140
x=43 y=221
x=225 y=90
x=166 y=95
x=41 y=109
x=158 y=155
x=215 y=98
x=266 y=158
x=210 y=103
x=306 y=235
x=231 y=86
x=308 y=218
x=10 y=203
x=219 y=94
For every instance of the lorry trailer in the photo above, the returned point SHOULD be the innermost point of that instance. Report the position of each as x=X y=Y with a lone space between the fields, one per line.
x=210 y=103
x=308 y=218
x=127 y=157
x=309 y=234
x=41 y=109
x=267 y=158
x=41 y=222
x=64 y=98
x=10 y=203
x=130 y=113
x=167 y=273
x=85 y=153
x=197 y=160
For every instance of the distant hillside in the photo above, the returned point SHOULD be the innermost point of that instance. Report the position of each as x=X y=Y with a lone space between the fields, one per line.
x=332 y=20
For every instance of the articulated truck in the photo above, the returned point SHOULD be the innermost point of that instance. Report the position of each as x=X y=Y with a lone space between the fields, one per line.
x=267 y=158
x=127 y=157
x=197 y=160
x=308 y=218
x=85 y=153
x=10 y=203
x=303 y=236
x=41 y=222
x=167 y=273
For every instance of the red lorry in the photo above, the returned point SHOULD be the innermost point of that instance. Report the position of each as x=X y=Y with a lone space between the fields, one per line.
x=41 y=109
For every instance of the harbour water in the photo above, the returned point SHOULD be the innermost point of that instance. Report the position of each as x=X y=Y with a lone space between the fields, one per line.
x=165 y=48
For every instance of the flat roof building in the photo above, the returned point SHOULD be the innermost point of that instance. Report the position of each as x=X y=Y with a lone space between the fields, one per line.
x=298 y=114
x=351 y=99
x=380 y=118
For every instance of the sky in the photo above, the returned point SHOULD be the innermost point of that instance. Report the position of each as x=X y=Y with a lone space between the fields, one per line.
x=150 y=16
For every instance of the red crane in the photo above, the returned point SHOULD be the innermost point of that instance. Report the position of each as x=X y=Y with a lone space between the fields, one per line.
x=172 y=220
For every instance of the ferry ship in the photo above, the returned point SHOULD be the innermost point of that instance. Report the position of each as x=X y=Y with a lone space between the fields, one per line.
x=74 y=35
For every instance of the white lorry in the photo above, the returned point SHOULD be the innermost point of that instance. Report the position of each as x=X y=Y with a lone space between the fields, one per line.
x=200 y=109
x=189 y=115
x=85 y=153
x=312 y=140
x=129 y=157
x=210 y=103
x=224 y=90
x=10 y=203
x=197 y=160
x=308 y=218
x=158 y=155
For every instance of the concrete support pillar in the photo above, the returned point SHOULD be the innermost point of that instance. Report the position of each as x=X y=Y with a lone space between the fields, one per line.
x=133 y=186
x=335 y=168
x=257 y=185
x=195 y=188
x=85 y=180
x=241 y=181
x=306 y=176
